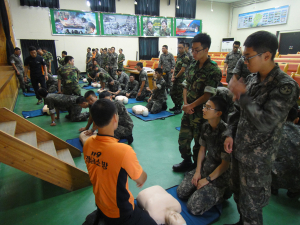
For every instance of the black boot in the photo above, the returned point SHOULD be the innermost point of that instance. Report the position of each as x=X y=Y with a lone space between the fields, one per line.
x=164 y=106
x=174 y=108
x=274 y=191
x=129 y=139
x=178 y=110
x=183 y=166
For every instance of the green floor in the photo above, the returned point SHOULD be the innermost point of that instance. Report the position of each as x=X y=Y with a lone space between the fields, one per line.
x=27 y=200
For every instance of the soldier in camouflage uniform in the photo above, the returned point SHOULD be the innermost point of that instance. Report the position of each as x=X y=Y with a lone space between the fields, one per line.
x=177 y=78
x=98 y=57
x=114 y=87
x=231 y=60
x=143 y=83
x=125 y=124
x=202 y=81
x=62 y=59
x=190 y=55
x=241 y=70
x=205 y=186
x=227 y=95
x=68 y=76
x=255 y=126
x=121 y=59
x=123 y=79
x=52 y=84
x=150 y=31
x=132 y=87
x=103 y=77
x=158 y=97
x=113 y=63
x=165 y=31
x=286 y=167
x=56 y=102
x=105 y=60
x=167 y=62
x=48 y=57
x=93 y=76
x=89 y=58
x=17 y=64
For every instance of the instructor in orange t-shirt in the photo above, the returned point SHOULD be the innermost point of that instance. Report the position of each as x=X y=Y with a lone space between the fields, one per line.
x=109 y=164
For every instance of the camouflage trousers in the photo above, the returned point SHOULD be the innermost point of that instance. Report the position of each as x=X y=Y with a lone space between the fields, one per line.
x=190 y=129
x=52 y=88
x=21 y=80
x=167 y=78
x=143 y=95
x=120 y=66
x=284 y=176
x=252 y=190
x=199 y=201
x=74 y=89
x=122 y=131
x=228 y=77
x=113 y=73
x=75 y=114
x=176 y=93
x=133 y=94
x=123 y=86
x=92 y=80
x=155 y=106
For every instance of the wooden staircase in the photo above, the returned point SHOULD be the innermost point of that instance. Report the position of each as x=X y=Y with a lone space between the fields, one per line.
x=29 y=148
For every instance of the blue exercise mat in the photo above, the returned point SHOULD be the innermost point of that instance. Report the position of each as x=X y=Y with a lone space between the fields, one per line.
x=89 y=87
x=33 y=113
x=177 y=128
x=77 y=143
x=29 y=94
x=161 y=115
x=133 y=100
x=205 y=219
x=81 y=82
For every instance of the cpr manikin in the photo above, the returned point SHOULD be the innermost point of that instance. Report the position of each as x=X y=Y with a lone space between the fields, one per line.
x=95 y=85
x=46 y=109
x=161 y=206
x=84 y=80
x=83 y=137
x=122 y=99
x=139 y=109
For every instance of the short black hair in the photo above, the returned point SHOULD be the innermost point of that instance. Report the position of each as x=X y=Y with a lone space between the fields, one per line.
x=93 y=50
x=159 y=70
x=64 y=52
x=32 y=48
x=237 y=43
x=262 y=41
x=293 y=113
x=181 y=43
x=105 y=49
x=17 y=49
x=68 y=58
x=119 y=70
x=187 y=44
x=80 y=100
x=42 y=92
x=109 y=80
x=121 y=49
x=204 y=39
x=97 y=48
x=104 y=94
x=113 y=48
x=165 y=46
x=220 y=103
x=89 y=48
x=44 y=48
x=139 y=64
x=164 y=21
x=89 y=93
x=132 y=75
x=106 y=108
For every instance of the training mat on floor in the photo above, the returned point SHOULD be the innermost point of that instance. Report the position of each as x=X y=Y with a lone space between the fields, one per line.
x=206 y=218
x=29 y=94
x=161 y=115
x=89 y=87
x=77 y=143
x=81 y=82
x=33 y=113
x=133 y=100
x=177 y=128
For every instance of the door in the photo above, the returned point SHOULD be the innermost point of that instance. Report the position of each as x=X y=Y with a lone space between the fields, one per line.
x=289 y=43
x=148 y=48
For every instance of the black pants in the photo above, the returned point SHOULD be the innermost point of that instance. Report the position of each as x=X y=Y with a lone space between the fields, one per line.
x=35 y=81
x=138 y=217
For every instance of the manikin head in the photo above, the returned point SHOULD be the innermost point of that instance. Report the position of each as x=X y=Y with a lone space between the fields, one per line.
x=174 y=218
x=200 y=46
x=91 y=97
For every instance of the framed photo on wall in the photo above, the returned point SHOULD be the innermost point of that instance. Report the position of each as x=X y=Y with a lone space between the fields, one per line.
x=119 y=24
x=156 y=26
x=187 y=27
x=69 y=22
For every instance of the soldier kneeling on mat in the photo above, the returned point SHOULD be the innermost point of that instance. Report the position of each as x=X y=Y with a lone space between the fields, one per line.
x=157 y=101
x=114 y=87
x=206 y=185
x=56 y=102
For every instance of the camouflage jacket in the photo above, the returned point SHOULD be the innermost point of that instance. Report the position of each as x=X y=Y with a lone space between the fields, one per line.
x=48 y=58
x=132 y=87
x=104 y=76
x=213 y=141
x=89 y=55
x=115 y=87
x=17 y=61
x=190 y=55
x=60 y=101
x=182 y=61
x=120 y=58
x=62 y=61
x=105 y=61
x=114 y=60
x=256 y=123
x=51 y=80
x=166 y=32
x=68 y=75
x=124 y=117
x=232 y=59
x=241 y=69
x=123 y=79
x=98 y=58
x=143 y=77
x=227 y=95
x=150 y=32
x=159 y=92
x=166 y=61
x=201 y=80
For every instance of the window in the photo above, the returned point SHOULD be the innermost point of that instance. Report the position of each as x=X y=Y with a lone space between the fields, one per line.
x=40 y=3
x=103 y=5
x=147 y=7
x=187 y=8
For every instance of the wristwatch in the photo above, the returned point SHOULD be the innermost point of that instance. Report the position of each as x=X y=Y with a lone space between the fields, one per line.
x=208 y=179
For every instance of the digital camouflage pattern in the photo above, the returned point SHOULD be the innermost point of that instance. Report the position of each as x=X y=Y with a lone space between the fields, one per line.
x=199 y=201
x=98 y=58
x=256 y=127
x=177 y=88
x=286 y=167
x=158 y=97
x=125 y=124
x=89 y=56
x=105 y=62
x=167 y=62
x=69 y=75
x=231 y=60
x=241 y=69
x=114 y=60
x=199 y=81
x=132 y=88
x=120 y=64
x=52 y=84
x=123 y=80
x=227 y=95
x=144 y=92
x=115 y=87
x=66 y=102
x=19 y=65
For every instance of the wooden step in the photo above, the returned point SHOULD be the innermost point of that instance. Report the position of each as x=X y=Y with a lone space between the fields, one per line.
x=28 y=137
x=65 y=155
x=9 y=127
x=48 y=147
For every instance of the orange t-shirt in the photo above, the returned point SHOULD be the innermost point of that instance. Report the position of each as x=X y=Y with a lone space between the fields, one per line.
x=109 y=164
x=94 y=55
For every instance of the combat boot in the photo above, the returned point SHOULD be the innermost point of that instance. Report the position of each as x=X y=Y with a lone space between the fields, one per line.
x=183 y=166
x=174 y=108
x=178 y=110
x=164 y=106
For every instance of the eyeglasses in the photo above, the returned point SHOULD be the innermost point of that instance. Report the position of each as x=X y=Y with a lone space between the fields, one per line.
x=194 y=50
x=247 y=59
x=208 y=107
